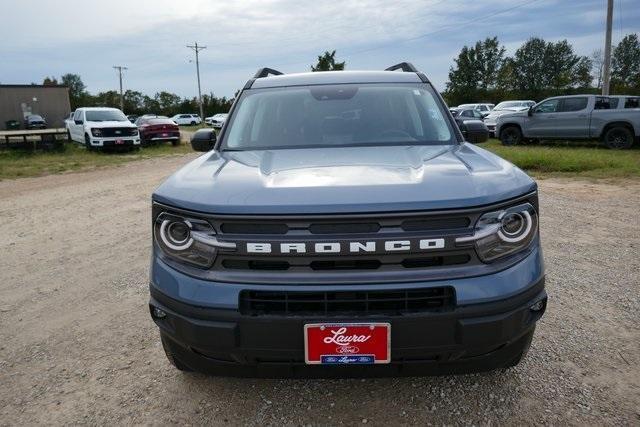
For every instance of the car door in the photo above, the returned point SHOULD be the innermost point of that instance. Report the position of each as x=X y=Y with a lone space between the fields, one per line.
x=541 y=122
x=572 y=118
x=76 y=126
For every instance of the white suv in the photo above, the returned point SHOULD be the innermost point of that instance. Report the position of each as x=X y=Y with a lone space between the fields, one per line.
x=187 y=119
x=100 y=127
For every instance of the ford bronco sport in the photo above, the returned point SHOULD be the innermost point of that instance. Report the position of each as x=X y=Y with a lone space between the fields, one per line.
x=341 y=226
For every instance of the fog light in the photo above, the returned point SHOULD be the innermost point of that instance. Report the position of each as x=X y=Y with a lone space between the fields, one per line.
x=537 y=306
x=158 y=313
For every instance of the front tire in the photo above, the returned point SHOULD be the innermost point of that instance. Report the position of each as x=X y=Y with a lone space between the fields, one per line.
x=511 y=135
x=618 y=138
x=87 y=143
x=193 y=123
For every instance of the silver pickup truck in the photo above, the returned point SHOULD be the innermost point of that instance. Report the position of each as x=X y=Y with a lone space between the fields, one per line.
x=615 y=120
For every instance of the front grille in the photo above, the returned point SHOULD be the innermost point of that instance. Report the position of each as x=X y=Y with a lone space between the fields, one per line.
x=116 y=132
x=344 y=230
x=350 y=303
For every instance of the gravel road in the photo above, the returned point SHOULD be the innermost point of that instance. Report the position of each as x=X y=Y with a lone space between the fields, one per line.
x=77 y=345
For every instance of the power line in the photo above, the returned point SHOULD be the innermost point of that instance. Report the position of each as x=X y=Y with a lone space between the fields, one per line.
x=197 y=49
x=120 y=68
x=607 y=49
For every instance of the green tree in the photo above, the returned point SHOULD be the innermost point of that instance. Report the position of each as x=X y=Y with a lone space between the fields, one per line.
x=476 y=72
x=564 y=69
x=77 y=90
x=489 y=60
x=327 y=62
x=168 y=103
x=110 y=98
x=625 y=65
x=133 y=102
x=50 y=81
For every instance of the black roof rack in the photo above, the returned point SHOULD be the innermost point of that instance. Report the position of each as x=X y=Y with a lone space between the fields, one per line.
x=264 y=72
x=406 y=67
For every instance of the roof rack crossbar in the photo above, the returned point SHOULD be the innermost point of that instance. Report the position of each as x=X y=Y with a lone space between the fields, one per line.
x=264 y=72
x=406 y=67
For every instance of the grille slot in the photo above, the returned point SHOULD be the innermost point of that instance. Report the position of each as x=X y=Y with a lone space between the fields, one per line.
x=253 y=228
x=437 y=261
x=342 y=263
x=255 y=303
x=347 y=228
x=436 y=224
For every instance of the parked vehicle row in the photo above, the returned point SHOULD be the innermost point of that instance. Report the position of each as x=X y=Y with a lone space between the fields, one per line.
x=615 y=120
x=101 y=127
x=505 y=107
x=187 y=119
x=217 y=120
x=155 y=129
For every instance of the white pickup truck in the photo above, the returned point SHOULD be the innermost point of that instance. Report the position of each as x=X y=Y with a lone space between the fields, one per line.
x=100 y=127
x=615 y=120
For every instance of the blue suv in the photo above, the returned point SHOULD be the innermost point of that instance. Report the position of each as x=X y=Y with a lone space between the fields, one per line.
x=341 y=225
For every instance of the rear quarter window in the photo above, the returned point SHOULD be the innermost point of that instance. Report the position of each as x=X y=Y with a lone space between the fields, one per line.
x=632 y=103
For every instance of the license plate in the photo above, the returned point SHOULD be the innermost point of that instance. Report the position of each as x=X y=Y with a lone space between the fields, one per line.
x=119 y=141
x=165 y=134
x=347 y=343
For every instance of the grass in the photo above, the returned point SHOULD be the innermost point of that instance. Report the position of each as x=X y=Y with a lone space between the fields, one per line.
x=570 y=159
x=548 y=159
x=194 y=127
x=19 y=163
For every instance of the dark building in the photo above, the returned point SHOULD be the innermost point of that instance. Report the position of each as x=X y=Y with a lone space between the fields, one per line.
x=50 y=102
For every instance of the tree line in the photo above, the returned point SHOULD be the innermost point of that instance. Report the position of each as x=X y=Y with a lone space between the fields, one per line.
x=162 y=103
x=135 y=102
x=539 y=69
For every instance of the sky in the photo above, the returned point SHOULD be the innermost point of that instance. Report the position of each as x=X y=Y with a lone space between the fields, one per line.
x=40 y=38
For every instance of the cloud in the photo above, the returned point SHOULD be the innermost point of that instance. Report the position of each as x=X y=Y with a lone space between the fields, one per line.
x=150 y=36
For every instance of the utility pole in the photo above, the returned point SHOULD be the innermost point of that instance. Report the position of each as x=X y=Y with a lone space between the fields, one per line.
x=197 y=49
x=120 y=68
x=607 y=50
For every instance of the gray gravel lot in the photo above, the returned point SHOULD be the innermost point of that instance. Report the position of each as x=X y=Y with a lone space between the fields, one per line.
x=77 y=345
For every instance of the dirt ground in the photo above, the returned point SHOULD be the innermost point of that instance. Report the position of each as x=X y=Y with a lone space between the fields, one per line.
x=77 y=345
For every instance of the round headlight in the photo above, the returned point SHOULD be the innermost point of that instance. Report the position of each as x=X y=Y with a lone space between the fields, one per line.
x=515 y=226
x=176 y=234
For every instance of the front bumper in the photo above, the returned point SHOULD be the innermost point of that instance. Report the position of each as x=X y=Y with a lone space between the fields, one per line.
x=477 y=334
x=125 y=141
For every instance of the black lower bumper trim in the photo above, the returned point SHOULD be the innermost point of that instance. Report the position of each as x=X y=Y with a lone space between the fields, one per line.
x=471 y=338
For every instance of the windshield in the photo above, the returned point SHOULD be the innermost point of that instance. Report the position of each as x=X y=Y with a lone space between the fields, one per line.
x=338 y=116
x=106 y=116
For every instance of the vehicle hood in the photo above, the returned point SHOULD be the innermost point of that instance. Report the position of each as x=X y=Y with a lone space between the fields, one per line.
x=110 y=124
x=343 y=180
x=522 y=113
x=495 y=114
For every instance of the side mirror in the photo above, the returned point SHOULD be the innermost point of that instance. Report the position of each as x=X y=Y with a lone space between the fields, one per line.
x=530 y=112
x=475 y=131
x=78 y=122
x=203 y=140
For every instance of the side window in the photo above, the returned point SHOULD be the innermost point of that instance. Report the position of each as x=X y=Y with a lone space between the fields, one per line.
x=477 y=115
x=550 y=106
x=77 y=115
x=467 y=113
x=574 y=104
x=603 y=103
x=632 y=103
